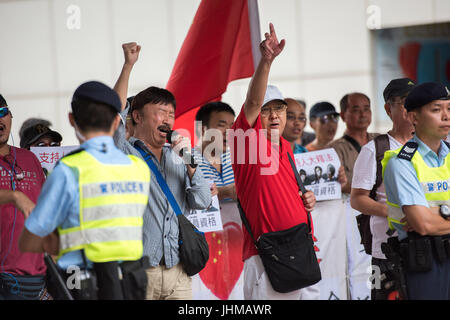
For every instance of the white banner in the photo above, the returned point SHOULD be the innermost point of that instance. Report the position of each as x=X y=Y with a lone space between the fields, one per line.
x=223 y=276
x=359 y=263
x=330 y=245
x=49 y=156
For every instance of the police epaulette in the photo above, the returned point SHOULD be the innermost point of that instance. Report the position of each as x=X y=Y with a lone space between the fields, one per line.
x=408 y=150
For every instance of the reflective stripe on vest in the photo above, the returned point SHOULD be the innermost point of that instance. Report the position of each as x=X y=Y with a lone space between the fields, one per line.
x=113 y=199
x=434 y=180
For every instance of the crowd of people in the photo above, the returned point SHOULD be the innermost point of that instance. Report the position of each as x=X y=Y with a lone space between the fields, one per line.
x=103 y=210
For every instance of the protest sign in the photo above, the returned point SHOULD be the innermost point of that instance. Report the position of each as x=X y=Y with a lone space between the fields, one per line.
x=318 y=171
x=49 y=156
x=207 y=220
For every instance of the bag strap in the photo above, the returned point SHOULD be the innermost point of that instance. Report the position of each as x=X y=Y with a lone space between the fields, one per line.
x=161 y=181
x=300 y=186
x=245 y=222
x=302 y=189
x=381 y=146
x=353 y=142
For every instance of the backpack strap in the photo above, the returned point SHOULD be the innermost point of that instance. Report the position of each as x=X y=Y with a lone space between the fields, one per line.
x=408 y=150
x=353 y=142
x=381 y=146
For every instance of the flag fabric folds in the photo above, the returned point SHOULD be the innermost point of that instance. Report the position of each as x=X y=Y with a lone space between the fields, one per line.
x=221 y=46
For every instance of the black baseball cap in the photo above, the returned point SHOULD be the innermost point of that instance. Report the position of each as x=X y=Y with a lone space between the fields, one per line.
x=398 y=88
x=98 y=92
x=425 y=93
x=321 y=109
x=34 y=133
x=3 y=102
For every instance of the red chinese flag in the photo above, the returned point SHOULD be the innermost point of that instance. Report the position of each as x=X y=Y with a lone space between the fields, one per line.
x=221 y=46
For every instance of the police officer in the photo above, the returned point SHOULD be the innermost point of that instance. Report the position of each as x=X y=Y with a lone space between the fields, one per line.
x=95 y=198
x=416 y=178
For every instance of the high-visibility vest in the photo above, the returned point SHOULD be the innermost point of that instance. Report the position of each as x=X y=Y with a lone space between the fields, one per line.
x=435 y=183
x=113 y=198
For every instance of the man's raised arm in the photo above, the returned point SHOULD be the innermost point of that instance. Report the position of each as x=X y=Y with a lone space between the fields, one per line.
x=131 y=53
x=270 y=48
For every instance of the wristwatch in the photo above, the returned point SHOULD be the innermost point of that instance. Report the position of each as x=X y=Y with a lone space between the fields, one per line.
x=444 y=211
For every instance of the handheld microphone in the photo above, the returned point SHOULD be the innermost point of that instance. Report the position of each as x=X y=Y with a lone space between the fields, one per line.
x=172 y=136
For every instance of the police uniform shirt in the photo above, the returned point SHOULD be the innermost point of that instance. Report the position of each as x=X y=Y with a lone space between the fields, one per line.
x=58 y=204
x=401 y=182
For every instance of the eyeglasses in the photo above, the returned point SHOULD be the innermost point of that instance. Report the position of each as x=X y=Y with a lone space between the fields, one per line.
x=4 y=111
x=292 y=118
x=45 y=144
x=329 y=117
x=266 y=111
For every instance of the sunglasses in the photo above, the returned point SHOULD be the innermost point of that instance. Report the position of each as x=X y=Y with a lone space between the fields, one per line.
x=51 y=144
x=4 y=111
x=328 y=118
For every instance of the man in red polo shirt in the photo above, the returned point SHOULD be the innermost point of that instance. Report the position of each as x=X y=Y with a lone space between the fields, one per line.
x=264 y=179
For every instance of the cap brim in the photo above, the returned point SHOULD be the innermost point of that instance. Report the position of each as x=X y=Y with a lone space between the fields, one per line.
x=324 y=113
x=279 y=100
x=52 y=134
x=400 y=93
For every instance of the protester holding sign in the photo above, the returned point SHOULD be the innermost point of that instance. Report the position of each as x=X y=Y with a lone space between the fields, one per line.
x=324 y=119
x=222 y=275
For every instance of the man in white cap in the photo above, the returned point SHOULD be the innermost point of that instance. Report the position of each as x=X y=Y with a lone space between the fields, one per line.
x=265 y=182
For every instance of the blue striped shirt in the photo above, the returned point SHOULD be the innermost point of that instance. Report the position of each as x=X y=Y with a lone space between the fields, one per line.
x=221 y=179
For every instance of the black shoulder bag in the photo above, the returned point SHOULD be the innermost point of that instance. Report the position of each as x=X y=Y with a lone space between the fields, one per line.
x=288 y=256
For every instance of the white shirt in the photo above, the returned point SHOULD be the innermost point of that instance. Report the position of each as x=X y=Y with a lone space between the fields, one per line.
x=364 y=177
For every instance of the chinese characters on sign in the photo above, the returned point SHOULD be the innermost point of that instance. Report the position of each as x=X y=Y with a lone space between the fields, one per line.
x=49 y=156
x=318 y=170
x=207 y=220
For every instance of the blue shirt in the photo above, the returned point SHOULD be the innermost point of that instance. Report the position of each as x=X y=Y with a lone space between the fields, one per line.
x=299 y=149
x=58 y=203
x=401 y=182
x=221 y=179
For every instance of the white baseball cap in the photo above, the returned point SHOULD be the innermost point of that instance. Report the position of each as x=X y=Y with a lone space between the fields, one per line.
x=273 y=93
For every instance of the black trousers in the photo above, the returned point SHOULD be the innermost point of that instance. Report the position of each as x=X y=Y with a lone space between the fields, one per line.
x=108 y=281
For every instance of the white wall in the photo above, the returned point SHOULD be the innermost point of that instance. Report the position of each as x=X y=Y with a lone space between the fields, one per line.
x=328 y=51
